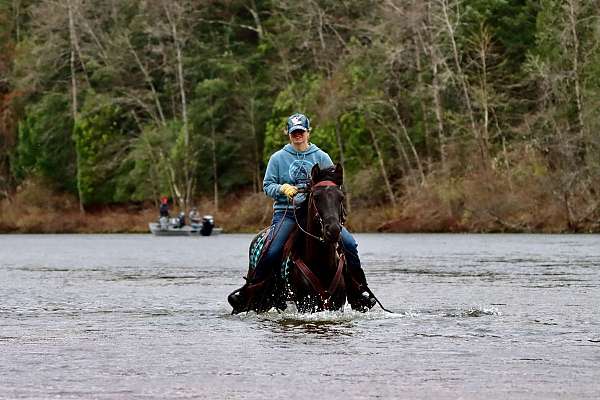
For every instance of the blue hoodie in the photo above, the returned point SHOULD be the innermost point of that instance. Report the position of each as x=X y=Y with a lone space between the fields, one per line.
x=291 y=166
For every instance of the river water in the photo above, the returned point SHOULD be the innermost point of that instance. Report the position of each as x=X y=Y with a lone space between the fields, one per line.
x=142 y=317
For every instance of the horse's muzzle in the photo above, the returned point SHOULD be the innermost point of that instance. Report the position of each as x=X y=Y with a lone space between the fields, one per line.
x=332 y=232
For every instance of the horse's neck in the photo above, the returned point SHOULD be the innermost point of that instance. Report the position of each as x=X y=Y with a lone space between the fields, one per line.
x=317 y=253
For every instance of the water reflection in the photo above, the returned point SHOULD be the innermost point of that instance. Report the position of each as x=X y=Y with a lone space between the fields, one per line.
x=322 y=328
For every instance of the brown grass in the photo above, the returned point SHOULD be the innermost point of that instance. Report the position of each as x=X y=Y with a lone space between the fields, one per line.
x=524 y=197
x=35 y=208
x=249 y=213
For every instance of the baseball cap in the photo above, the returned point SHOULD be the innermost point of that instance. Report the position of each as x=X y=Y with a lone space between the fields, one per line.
x=298 y=122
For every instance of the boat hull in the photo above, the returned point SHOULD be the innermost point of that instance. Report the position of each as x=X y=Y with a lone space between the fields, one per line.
x=187 y=230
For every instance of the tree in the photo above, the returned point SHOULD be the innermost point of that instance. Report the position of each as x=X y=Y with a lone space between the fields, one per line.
x=101 y=134
x=45 y=146
x=211 y=98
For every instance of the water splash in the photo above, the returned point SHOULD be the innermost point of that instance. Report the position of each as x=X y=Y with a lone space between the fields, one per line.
x=474 y=312
x=291 y=315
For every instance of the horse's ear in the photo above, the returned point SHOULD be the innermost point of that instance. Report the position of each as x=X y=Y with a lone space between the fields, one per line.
x=314 y=173
x=339 y=174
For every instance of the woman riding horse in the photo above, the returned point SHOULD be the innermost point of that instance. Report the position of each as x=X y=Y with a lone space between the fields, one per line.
x=288 y=171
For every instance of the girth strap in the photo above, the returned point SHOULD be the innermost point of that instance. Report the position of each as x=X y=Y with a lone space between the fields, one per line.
x=325 y=294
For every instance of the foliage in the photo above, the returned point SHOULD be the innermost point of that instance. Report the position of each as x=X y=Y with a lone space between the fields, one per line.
x=128 y=101
x=100 y=136
x=45 y=147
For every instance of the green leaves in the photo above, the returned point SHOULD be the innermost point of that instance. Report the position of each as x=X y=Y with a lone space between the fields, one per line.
x=397 y=90
x=100 y=136
x=45 y=147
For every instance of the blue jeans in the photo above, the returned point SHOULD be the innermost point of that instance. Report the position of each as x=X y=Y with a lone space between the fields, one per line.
x=281 y=231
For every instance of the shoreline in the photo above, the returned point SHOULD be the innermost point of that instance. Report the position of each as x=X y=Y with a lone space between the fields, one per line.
x=251 y=212
x=72 y=222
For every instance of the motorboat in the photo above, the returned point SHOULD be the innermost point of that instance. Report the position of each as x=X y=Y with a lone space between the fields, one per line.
x=174 y=227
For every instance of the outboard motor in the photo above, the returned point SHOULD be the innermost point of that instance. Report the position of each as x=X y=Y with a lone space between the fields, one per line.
x=208 y=223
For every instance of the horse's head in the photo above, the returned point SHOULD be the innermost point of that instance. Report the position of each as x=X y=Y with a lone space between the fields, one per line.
x=327 y=197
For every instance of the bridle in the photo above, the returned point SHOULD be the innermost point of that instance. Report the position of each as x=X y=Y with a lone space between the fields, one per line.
x=311 y=204
x=324 y=293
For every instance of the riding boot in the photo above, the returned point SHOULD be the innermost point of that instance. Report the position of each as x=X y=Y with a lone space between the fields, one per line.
x=253 y=296
x=360 y=296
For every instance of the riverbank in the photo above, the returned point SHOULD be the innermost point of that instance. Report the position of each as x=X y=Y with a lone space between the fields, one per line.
x=435 y=208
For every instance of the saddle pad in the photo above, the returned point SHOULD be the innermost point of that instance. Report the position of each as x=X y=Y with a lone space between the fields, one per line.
x=286 y=266
x=256 y=247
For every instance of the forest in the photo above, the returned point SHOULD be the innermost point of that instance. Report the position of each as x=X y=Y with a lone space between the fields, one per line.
x=446 y=115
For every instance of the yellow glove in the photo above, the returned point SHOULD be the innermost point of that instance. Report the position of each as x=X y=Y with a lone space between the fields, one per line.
x=289 y=190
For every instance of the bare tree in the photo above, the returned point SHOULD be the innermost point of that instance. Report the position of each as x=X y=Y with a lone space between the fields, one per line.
x=74 y=102
x=427 y=38
x=161 y=120
x=174 y=19
x=16 y=8
x=450 y=19
x=483 y=44
x=382 y=167
x=252 y=112
x=572 y=11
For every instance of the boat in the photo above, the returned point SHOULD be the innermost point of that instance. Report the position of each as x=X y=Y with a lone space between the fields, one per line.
x=172 y=227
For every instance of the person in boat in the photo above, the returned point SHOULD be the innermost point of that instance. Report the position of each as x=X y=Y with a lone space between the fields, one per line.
x=194 y=216
x=164 y=207
x=181 y=220
x=288 y=171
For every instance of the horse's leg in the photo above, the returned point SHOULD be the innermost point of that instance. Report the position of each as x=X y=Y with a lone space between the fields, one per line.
x=303 y=295
x=338 y=298
x=297 y=288
x=359 y=295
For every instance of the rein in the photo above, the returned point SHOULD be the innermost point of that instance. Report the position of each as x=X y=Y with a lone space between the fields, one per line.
x=311 y=204
x=325 y=294
x=319 y=238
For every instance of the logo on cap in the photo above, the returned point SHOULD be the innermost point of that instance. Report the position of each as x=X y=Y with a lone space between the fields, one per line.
x=298 y=121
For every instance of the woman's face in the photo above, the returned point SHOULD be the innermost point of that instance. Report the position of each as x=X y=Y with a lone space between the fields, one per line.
x=299 y=137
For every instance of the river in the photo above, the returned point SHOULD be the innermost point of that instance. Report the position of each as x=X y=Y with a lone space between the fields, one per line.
x=142 y=317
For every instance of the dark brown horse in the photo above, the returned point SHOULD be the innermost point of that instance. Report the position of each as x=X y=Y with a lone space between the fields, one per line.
x=312 y=267
x=316 y=281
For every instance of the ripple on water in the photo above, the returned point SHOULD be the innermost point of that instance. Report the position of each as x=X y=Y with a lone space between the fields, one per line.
x=131 y=316
x=474 y=312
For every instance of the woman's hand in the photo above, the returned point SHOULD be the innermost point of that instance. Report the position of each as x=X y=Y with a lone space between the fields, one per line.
x=289 y=190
